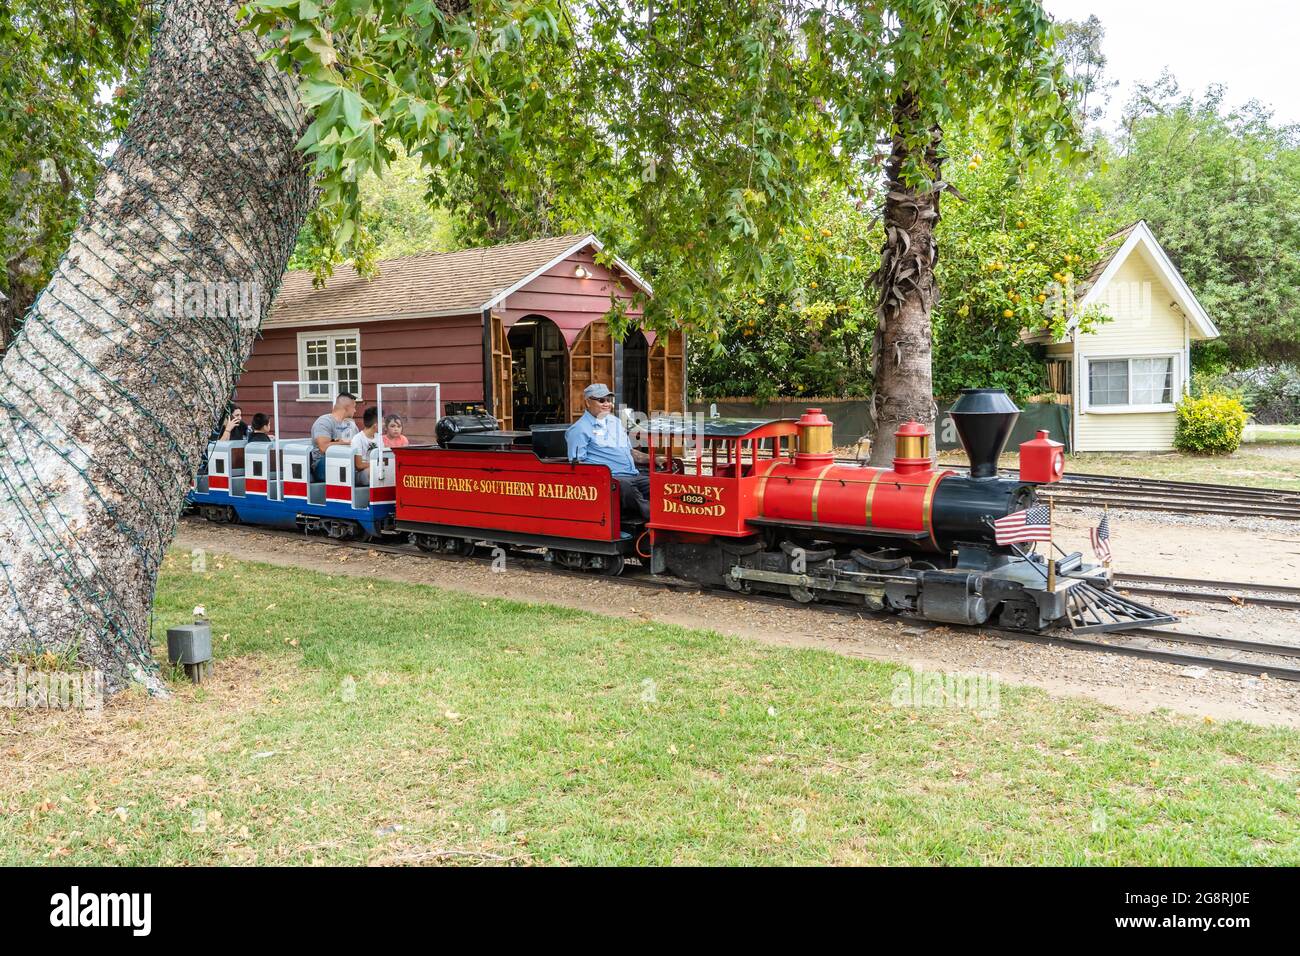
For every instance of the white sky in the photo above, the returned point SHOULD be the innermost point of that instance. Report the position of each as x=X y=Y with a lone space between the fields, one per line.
x=1252 y=47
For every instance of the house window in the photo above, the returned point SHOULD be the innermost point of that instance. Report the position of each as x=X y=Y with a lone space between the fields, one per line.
x=1131 y=382
x=325 y=357
x=1153 y=381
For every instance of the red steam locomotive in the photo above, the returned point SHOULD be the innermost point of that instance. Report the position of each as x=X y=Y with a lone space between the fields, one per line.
x=762 y=506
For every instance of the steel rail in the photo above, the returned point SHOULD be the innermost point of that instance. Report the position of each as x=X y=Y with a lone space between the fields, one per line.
x=1204 y=583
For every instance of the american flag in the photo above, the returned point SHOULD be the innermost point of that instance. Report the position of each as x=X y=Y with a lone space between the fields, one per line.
x=1101 y=539
x=1032 y=524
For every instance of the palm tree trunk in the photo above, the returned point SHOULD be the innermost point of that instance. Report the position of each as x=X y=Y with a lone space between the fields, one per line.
x=110 y=389
x=901 y=351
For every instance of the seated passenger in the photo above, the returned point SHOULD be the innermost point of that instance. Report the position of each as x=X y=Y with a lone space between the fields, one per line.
x=363 y=443
x=261 y=428
x=335 y=427
x=234 y=428
x=599 y=438
x=393 y=436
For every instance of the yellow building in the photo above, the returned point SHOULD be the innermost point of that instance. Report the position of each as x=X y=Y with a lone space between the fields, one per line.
x=1125 y=376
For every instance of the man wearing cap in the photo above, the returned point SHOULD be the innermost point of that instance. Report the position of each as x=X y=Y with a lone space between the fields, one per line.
x=599 y=438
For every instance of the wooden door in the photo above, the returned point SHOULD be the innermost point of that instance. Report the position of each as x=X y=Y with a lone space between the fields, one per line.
x=503 y=392
x=667 y=374
x=590 y=360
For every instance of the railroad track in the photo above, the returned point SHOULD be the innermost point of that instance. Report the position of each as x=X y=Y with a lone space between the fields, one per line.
x=1239 y=593
x=1135 y=643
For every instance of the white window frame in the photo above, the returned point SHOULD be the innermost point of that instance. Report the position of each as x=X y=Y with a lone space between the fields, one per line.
x=304 y=394
x=1085 y=383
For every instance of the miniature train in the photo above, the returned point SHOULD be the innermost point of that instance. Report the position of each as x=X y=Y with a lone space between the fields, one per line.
x=753 y=506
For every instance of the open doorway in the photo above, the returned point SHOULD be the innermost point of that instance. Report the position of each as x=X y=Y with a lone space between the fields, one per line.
x=540 y=374
x=636 y=372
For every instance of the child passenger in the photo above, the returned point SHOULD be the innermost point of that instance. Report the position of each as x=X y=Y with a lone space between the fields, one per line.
x=363 y=444
x=393 y=436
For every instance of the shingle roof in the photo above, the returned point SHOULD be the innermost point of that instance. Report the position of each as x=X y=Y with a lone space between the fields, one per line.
x=1131 y=236
x=446 y=283
x=1110 y=246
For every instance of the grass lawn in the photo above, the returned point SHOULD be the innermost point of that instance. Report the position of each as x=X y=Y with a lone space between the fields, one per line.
x=1277 y=434
x=354 y=722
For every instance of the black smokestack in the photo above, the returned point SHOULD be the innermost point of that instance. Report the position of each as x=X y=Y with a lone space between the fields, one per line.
x=984 y=418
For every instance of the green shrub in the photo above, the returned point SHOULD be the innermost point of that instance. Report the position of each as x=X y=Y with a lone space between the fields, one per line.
x=1210 y=424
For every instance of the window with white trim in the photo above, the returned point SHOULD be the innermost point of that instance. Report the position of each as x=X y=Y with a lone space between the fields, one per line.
x=325 y=357
x=1131 y=382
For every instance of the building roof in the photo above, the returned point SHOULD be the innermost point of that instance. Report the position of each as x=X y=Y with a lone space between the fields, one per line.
x=426 y=286
x=1110 y=248
x=1113 y=253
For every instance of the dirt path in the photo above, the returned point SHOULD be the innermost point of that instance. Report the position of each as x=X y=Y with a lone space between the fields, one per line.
x=1126 y=683
x=1211 y=546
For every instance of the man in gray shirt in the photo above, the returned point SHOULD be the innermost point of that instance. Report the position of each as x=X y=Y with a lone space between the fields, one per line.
x=335 y=427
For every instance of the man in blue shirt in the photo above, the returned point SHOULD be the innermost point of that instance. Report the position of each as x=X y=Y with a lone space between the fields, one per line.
x=599 y=438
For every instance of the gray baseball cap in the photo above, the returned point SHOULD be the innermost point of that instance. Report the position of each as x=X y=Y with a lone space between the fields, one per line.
x=596 y=390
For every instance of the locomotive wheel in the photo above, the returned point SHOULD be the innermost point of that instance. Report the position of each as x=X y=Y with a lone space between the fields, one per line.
x=232 y=516
x=802 y=595
x=737 y=584
x=425 y=542
x=612 y=565
x=466 y=547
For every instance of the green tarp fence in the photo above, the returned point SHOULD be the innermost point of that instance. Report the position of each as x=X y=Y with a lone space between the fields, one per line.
x=852 y=418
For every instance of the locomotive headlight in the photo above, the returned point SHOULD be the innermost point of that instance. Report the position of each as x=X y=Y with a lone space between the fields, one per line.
x=1058 y=465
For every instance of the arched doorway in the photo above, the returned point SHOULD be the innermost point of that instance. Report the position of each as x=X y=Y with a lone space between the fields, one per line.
x=540 y=371
x=636 y=372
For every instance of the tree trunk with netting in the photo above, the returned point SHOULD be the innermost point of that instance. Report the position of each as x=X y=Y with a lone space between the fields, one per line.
x=110 y=389
x=901 y=352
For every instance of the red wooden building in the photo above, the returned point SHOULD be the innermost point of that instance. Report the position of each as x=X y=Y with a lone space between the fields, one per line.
x=518 y=327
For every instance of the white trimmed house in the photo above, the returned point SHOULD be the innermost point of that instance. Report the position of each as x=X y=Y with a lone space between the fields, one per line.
x=1124 y=377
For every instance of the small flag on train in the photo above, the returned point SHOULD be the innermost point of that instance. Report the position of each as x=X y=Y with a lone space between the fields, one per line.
x=1101 y=539
x=1031 y=524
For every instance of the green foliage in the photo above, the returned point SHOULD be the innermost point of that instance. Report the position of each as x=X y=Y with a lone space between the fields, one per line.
x=396 y=218
x=1014 y=249
x=1080 y=47
x=1219 y=188
x=55 y=125
x=1013 y=254
x=810 y=335
x=1271 y=393
x=688 y=140
x=1210 y=425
